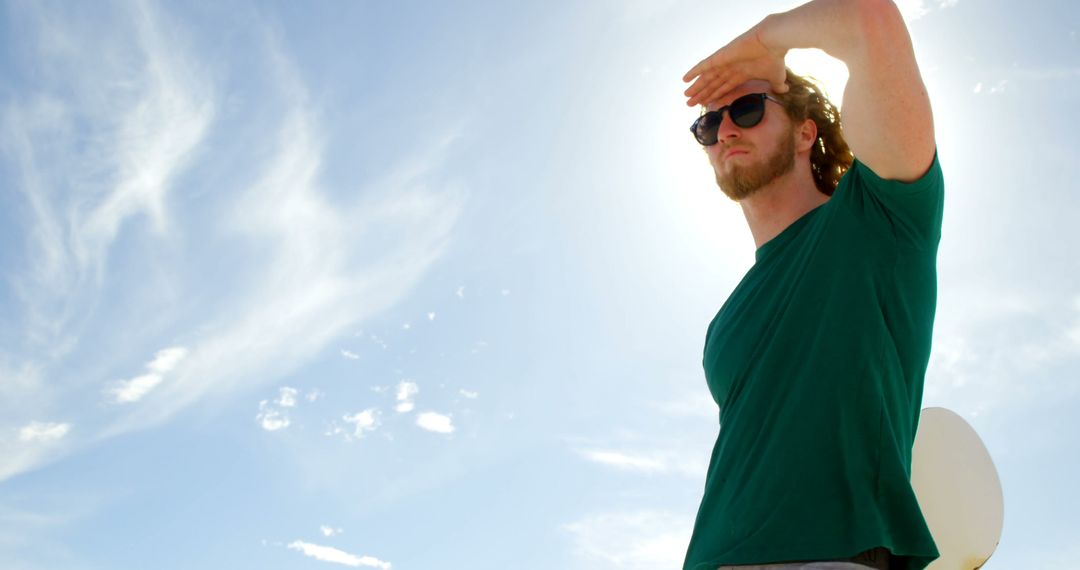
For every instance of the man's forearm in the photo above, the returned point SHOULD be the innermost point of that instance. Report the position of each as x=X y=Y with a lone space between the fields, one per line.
x=837 y=27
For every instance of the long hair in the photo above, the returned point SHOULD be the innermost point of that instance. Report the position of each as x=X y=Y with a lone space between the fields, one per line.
x=830 y=157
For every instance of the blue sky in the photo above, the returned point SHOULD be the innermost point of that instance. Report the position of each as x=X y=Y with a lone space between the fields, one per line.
x=421 y=285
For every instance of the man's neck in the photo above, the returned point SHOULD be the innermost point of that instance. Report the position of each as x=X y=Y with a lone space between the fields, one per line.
x=773 y=208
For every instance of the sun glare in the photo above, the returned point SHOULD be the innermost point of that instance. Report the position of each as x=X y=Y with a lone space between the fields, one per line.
x=830 y=73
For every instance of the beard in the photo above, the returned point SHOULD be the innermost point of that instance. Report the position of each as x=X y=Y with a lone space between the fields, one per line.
x=740 y=181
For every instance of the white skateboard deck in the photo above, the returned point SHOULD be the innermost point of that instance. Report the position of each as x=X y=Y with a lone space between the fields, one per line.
x=958 y=490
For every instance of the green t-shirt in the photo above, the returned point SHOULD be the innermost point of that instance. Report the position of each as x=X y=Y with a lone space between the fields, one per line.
x=817 y=361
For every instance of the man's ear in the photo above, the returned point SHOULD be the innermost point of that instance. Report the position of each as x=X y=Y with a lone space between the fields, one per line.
x=805 y=136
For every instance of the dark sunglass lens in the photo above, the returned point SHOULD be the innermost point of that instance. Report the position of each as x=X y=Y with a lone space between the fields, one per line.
x=747 y=111
x=706 y=127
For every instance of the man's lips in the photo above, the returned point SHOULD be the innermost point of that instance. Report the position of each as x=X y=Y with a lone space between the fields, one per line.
x=733 y=152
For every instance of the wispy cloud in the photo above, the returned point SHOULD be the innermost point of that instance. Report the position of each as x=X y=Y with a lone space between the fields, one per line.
x=95 y=142
x=994 y=351
x=649 y=454
x=694 y=403
x=146 y=114
x=128 y=391
x=331 y=554
x=100 y=150
x=661 y=461
x=314 y=289
x=626 y=461
x=43 y=431
x=31 y=444
x=632 y=540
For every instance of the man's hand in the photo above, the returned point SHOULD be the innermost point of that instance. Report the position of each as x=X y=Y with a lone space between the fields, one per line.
x=746 y=57
x=887 y=120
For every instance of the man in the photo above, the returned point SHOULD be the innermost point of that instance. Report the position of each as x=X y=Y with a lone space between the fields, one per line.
x=817 y=359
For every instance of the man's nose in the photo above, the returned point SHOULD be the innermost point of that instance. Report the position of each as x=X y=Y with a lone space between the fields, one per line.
x=728 y=129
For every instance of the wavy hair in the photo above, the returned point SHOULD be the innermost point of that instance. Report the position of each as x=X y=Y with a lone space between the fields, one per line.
x=830 y=157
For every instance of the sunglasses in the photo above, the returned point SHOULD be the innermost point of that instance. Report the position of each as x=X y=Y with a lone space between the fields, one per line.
x=745 y=112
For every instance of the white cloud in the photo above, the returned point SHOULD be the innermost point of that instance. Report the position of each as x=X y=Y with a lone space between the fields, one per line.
x=165 y=360
x=330 y=531
x=30 y=445
x=349 y=354
x=313 y=395
x=405 y=391
x=147 y=115
x=431 y=316
x=365 y=421
x=649 y=454
x=270 y=418
x=125 y=392
x=287 y=397
x=682 y=460
x=435 y=422
x=626 y=461
x=330 y=554
x=635 y=540
x=43 y=431
x=320 y=281
x=468 y=394
x=95 y=153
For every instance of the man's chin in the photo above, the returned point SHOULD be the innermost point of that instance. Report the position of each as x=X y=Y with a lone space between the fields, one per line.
x=735 y=188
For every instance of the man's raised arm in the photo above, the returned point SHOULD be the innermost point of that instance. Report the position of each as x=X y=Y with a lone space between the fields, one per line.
x=886 y=115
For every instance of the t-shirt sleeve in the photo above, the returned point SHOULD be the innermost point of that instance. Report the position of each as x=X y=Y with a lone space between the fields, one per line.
x=913 y=209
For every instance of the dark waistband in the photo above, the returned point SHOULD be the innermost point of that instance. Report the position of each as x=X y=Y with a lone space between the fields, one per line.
x=877 y=558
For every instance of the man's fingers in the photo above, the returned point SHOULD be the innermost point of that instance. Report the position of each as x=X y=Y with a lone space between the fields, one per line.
x=707 y=90
x=705 y=97
x=694 y=72
x=708 y=81
x=697 y=70
x=702 y=83
x=700 y=88
x=703 y=66
x=714 y=92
